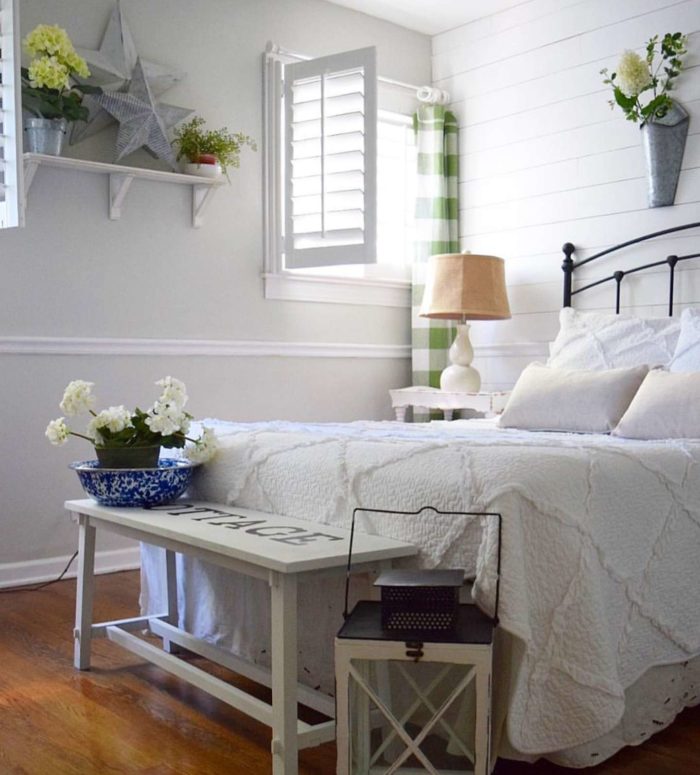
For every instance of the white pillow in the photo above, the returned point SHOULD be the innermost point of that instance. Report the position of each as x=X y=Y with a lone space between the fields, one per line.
x=547 y=399
x=596 y=340
x=667 y=406
x=687 y=355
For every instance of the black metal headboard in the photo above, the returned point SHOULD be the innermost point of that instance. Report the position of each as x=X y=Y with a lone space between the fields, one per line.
x=569 y=266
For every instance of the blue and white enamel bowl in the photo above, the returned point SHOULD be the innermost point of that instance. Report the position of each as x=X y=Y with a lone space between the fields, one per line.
x=135 y=487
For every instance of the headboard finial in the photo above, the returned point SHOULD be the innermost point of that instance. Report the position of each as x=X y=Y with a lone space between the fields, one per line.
x=568 y=267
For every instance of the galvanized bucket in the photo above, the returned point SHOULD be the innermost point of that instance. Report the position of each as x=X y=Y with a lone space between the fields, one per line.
x=44 y=135
x=664 y=144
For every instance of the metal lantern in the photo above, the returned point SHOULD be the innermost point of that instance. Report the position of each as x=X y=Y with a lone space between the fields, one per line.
x=413 y=675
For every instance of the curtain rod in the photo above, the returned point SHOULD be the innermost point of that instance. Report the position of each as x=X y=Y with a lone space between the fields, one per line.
x=427 y=94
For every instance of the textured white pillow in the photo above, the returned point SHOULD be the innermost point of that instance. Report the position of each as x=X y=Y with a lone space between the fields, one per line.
x=596 y=340
x=548 y=399
x=687 y=355
x=667 y=406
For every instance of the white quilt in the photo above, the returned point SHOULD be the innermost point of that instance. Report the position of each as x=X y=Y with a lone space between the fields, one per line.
x=601 y=544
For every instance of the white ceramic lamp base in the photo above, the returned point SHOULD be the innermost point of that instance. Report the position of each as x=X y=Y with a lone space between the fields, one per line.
x=461 y=376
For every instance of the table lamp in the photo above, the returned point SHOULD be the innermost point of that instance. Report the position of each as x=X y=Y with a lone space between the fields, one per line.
x=464 y=286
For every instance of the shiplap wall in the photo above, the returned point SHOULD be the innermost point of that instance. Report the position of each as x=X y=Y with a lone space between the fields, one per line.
x=544 y=160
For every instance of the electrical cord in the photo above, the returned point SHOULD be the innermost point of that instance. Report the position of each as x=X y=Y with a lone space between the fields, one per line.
x=37 y=587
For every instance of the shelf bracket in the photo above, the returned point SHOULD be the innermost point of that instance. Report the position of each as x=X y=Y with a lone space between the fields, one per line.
x=30 y=168
x=118 y=188
x=201 y=196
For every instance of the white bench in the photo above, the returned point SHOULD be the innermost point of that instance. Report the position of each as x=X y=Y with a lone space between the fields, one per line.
x=280 y=550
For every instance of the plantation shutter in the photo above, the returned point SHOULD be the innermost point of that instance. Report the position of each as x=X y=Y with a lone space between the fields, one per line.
x=330 y=134
x=10 y=117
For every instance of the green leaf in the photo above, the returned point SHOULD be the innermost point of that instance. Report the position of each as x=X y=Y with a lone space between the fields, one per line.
x=658 y=107
x=87 y=88
x=625 y=102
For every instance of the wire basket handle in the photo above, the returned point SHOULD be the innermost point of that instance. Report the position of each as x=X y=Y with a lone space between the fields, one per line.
x=413 y=514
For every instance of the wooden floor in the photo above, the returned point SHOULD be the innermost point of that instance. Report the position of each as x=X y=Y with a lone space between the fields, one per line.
x=128 y=717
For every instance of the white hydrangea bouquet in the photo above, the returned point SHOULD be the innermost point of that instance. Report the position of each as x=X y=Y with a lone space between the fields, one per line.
x=165 y=424
x=648 y=78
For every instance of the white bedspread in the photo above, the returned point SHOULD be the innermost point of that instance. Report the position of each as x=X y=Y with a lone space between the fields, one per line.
x=601 y=541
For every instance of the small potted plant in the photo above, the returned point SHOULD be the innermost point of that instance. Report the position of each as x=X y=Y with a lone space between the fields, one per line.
x=209 y=152
x=47 y=92
x=126 y=439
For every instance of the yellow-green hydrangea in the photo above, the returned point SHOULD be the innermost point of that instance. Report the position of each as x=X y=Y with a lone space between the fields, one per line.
x=47 y=41
x=76 y=64
x=632 y=74
x=48 y=72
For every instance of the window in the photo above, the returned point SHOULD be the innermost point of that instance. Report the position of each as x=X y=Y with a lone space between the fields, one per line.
x=10 y=117
x=332 y=232
x=396 y=194
x=330 y=160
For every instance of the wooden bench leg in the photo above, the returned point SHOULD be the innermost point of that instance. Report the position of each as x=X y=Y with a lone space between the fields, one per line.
x=171 y=595
x=85 y=593
x=283 y=629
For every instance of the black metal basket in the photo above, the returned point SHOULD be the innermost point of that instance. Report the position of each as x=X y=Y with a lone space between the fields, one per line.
x=425 y=600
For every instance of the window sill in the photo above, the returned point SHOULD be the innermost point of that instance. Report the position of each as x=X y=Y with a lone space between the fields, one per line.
x=338 y=290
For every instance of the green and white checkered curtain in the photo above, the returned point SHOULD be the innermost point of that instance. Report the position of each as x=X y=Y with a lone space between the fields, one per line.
x=437 y=231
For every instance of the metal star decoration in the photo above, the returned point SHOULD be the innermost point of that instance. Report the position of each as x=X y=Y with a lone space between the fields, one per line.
x=112 y=66
x=142 y=121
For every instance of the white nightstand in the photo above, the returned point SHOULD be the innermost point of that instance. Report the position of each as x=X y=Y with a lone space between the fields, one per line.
x=433 y=398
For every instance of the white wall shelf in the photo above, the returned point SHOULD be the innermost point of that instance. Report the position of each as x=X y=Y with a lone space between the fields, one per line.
x=121 y=178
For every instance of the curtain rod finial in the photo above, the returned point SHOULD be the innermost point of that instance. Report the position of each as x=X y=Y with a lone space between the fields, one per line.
x=433 y=96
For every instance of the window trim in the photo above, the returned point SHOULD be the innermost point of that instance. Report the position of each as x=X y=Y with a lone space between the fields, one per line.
x=279 y=283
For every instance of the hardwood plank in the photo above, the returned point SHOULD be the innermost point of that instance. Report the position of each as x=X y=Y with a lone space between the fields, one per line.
x=124 y=716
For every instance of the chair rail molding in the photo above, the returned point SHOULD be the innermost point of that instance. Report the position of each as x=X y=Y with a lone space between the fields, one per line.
x=110 y=346
x=56 y=345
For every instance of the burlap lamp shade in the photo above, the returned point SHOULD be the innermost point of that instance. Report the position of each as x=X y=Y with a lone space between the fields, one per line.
x=464 y=286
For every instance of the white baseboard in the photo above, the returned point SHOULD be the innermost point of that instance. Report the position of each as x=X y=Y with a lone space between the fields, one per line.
x=17 y=574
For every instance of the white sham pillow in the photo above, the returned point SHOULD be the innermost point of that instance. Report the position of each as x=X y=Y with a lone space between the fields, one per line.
x=667 y=406
x=574 y=400
x=597 y=340
x=687 y=354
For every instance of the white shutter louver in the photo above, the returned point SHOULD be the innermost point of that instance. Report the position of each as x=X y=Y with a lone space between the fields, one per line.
x=10 y=117
x=330 y=156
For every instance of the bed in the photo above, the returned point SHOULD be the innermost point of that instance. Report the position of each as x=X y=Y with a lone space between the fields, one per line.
x=599 y=641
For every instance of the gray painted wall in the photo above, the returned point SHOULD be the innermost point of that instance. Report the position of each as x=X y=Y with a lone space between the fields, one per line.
x=74 y=273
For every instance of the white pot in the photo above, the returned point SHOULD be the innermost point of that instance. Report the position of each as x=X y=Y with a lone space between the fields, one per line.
x=203 y=170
